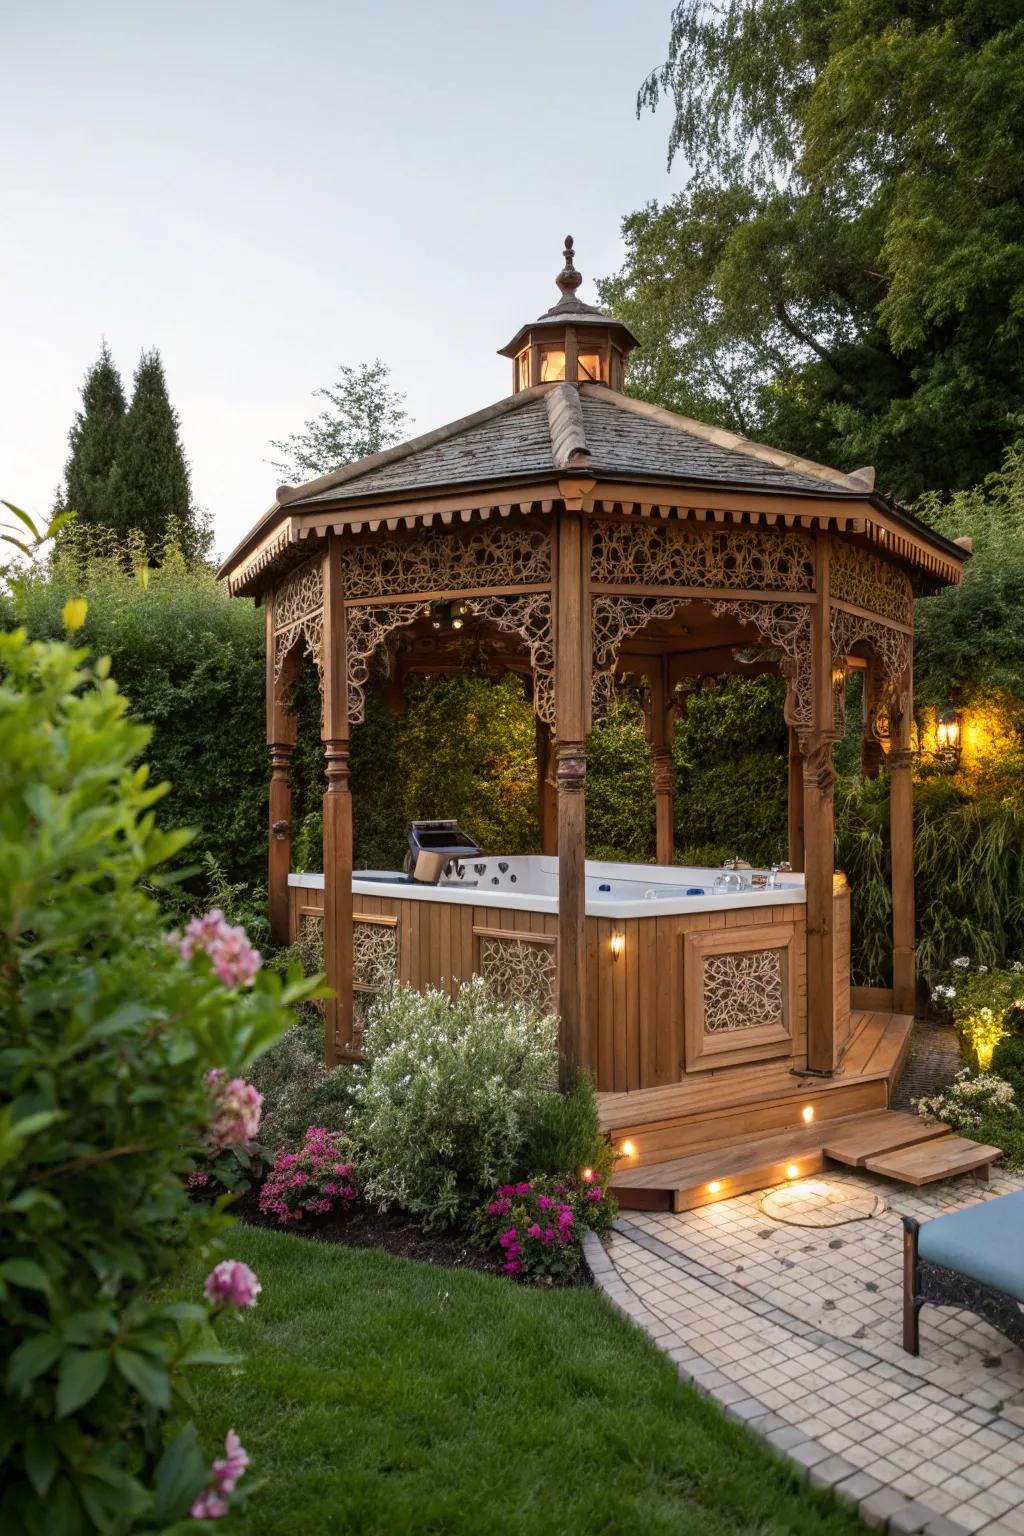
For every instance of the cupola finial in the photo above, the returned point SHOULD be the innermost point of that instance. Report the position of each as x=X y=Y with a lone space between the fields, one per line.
x=568 y=279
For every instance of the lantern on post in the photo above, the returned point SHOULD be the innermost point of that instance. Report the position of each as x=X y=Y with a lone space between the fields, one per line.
x=949 y=735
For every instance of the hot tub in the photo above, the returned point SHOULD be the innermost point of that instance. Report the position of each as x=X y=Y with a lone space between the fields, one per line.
x=681 y=980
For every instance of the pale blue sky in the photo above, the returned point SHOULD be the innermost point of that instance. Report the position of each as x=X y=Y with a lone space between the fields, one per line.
x=266 y=189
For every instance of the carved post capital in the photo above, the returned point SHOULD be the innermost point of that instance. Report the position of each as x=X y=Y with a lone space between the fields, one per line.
x=900 y=759
x=664 y=769
x=818 y=771
x=336 y=767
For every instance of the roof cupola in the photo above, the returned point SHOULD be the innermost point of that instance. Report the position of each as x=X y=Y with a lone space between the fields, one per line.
x=571 y=342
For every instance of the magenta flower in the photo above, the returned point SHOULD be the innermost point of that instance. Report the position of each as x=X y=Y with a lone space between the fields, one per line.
x=523 y=1189
x=233 y=1283
x=513 y=1267
x=508 y=1238
x=314 y=1181
x=197 y=1179
x=533 y=1231
x=499 y=1207
x=234 y=960
x=209 y=1506
x=544 y=1202
x=594 y=1194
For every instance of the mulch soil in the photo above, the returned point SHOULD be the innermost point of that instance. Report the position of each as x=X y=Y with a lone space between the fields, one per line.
x=392 y=1231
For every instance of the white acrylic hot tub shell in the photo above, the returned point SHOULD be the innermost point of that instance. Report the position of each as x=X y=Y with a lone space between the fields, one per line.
x=529 y=883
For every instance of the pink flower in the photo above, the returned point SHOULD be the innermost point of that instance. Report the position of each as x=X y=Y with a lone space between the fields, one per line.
x=234 y=960
x=197 y=1179
x=508 y=1238
x=513 y=1267
x=233 y=1282
x=209 y=1506
x=594 y=1195
x=523 y=1189
x=499 y=1207
x=533 y=1231
x=236 y=1118
x=544 y=1202
x=227 y=1471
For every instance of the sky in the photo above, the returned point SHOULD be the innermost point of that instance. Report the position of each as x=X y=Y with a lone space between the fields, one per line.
x=265 y=190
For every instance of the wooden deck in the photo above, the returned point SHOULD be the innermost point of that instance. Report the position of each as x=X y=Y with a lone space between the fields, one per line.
x=743 y=1128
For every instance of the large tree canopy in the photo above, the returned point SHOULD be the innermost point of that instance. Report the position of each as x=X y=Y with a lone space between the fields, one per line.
x=844 y=273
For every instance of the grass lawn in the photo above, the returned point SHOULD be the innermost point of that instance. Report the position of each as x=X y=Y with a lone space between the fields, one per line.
x=384 y=1396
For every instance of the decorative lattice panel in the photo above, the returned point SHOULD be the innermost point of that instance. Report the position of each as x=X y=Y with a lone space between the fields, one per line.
x=744 y=991
x=310 y=942
x=686 y=555
x=299 y=614
x=891 y=648
x=869 y=582
x=519 y=970
x=374 y=954
x=785 y=627
x=501 y=555
x=613 y=618
x=529 y=617
x=367 y=632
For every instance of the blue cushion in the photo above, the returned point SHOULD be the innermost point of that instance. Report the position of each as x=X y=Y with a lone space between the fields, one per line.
x=984 y=1241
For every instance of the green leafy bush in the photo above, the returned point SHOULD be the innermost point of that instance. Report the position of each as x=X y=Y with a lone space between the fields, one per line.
x=449 y=1090
x=565 y=1137
x=106 y=1035
x=620 y=786
x=1008 y=1062
x=298 y=1088
x=983 y=1107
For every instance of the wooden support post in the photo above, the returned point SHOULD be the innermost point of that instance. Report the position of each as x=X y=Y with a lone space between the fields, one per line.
x=795 y=803
x=547 y=803
x=901 y=842
x=871 y=754
x=572 y=716
x=819 y=830
x=281 y=731
x=339 y=1033
x=660 y=734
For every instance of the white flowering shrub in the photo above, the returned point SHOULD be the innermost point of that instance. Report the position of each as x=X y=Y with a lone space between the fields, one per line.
x=448 y=1093
x=969 y=1101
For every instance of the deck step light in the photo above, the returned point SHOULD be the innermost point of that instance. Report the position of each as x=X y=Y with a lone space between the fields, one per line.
x=628 y=1149
x=792 y=1172
x=808 y=1113
x=714 y=1187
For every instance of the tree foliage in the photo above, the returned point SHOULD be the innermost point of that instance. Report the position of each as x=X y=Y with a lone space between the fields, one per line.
x=364 y=413
x=94 y=439
x=844 y=273
x=127 y=470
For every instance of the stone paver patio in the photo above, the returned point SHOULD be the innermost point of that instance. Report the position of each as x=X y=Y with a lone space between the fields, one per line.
x=797 y=1331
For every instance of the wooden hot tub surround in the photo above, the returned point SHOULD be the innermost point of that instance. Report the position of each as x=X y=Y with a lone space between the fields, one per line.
x=586 y=535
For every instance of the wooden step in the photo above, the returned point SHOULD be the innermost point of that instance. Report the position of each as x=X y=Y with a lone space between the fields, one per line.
x=930 y=1161
x=885 y=1133
x=683 y=1183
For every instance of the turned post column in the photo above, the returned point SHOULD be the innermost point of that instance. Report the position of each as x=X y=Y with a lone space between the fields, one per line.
x=339 y=1034
x=572 y=718
x=660 y=733
x=819 y=828
x=901 y=842
x=547 y=803
x=871 y=754
x=795 y=803
x=281 y=732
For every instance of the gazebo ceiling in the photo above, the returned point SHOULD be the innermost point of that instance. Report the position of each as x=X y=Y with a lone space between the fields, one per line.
x=622 y=455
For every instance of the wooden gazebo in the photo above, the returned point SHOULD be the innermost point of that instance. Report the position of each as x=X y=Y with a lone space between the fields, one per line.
x=582 y=533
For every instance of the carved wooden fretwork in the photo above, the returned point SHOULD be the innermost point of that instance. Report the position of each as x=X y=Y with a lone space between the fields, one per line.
x=299 y=614
x=892 y=650
x=785 y=627
x=520 y=970
x=685 y=555
x=367 y=630
x=613 y=618
x=867 y=581
x=505 y=555
x=529 y=617
x=310 y=941
x=744 y=991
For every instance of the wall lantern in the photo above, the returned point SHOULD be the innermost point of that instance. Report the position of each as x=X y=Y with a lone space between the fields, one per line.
x=618 y=944
x=949 y=736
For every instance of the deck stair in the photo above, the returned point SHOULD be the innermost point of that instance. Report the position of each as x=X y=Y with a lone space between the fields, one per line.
x=890 y=1143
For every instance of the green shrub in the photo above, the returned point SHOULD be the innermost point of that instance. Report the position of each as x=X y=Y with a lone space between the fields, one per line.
x=620 y=786
x=538 y=1225
x=1008 y=1062
x=983 y=1107
x=105 y=1038
x=298 y=1089
x=448 y=1093
x=565 y=1137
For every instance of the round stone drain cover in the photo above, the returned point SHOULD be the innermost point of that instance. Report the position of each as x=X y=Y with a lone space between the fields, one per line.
x=821 y=1203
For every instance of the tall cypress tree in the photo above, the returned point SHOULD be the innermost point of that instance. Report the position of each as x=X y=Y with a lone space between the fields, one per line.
x=150 y=487
x=95 y=439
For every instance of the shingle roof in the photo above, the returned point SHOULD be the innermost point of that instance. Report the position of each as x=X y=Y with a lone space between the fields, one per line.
x=619 y=438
